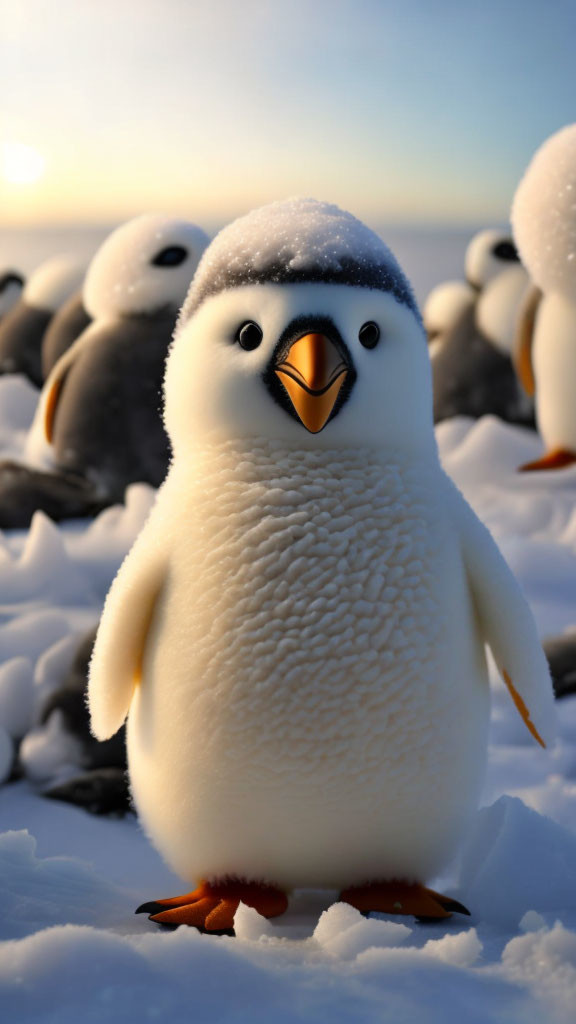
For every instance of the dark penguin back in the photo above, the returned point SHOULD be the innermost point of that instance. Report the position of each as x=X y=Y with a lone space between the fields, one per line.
x=21 y=334
x=67 y=325
x=472 y=378
x=108 y=425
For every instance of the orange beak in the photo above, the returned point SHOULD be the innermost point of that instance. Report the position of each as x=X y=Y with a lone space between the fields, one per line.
x=312 y=372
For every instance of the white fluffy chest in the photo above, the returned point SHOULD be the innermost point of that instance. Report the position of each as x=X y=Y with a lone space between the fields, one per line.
x=305 y=596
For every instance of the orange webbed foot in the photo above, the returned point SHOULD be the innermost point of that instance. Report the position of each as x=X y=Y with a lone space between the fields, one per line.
x=212 y=906
x=402 y=898
x=557 y=459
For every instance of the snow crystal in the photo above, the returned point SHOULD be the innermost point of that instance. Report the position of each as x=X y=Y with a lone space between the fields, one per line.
x=544 y=214
x=297 y=240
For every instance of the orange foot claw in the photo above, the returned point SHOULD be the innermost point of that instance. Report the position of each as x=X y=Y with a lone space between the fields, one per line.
x=557 y=459
x=402 y=898
x=212 y=906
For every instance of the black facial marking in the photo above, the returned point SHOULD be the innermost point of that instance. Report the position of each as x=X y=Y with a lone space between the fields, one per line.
x=369 y=334
x=249 y=335
x=171 y=256
x=297 y=328
x=10 y=277
x=506 y=251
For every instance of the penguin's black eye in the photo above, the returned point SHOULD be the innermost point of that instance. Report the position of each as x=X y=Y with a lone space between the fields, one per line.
x=249 y=335
x=506 y=251
x=172 y=256
x=369 y=334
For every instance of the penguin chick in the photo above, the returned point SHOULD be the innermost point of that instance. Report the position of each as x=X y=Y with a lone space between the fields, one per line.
x=297 y=635
x=100 y=405
x=11 y=285
x=544 y=223
x=23 y=327
x=472 y=370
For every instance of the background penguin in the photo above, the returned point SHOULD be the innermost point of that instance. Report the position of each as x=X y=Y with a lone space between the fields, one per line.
x=101 y=786
x=100 y=404
x=443 y=308
x=544 y=223
x=472 y=370
x=298 y=632
x=22 y=329
x=11 y=285
x=66 y=325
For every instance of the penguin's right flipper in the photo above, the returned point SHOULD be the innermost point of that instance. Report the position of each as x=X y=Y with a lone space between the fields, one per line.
x=506 y=625
x=116 y=665
x=522 y=351
x=24 y=491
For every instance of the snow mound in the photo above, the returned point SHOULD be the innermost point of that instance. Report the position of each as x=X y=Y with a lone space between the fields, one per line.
x=40 y=893
x=50 y=754
x=343 y=931
x=16 y=696
x=6 y=754
x=296 y=240
x=514 y=861
x=545 y=962
x=544 y=214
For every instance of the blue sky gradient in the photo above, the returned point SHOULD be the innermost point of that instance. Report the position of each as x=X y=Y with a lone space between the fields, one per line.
x=411 y=112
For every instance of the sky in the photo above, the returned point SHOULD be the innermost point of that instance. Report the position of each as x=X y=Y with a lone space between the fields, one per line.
x=411 y=112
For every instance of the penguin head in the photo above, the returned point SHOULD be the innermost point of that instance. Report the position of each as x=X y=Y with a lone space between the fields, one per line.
x=489 y=254
x=143 y=268
x=11 y=284
x=299 y=327
x=544 y=214
x=445 y=304
x=53 y=282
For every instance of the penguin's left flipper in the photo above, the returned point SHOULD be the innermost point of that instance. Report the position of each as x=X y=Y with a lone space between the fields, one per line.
x=116 y=665
x=507 y=626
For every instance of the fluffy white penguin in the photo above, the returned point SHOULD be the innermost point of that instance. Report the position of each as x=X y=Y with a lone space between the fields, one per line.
x=297 y=635
x=23 y=327
x=544 y=223
x=472 y=370
x=100 y=406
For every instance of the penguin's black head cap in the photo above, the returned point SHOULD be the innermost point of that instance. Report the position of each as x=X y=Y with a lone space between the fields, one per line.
x=299 y=241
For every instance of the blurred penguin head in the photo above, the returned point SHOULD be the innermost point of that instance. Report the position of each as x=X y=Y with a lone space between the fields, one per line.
x=144 y=267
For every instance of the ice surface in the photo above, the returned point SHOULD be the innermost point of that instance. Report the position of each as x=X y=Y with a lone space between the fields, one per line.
x=296 y=240
x=544 y=214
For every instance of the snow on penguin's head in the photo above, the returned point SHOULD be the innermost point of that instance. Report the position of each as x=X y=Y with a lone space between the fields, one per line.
x=489 y=253
x=11 y=284
x=145 y=266
x=544 y=214
x=299 y=327
x=53 y=282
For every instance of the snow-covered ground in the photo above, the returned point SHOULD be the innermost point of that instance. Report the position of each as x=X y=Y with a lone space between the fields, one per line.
x=72 y=948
